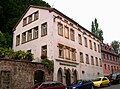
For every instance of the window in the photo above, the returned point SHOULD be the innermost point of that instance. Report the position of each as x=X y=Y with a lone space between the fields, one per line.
x=17 y=40
x=30 y=19
x=72 y=35
x=103 y=55
x=29 y=51
x=92 y=60
x=81 y=57
x=24 y=37
x=79 y=39
x=105 y=66
x=95 y=46
x=107 y=57
x=29 y=36
x=85 y=40
x=112 y=68
x=87 y=59
x=73 y=54
x=61 y=51
x=44 y=50
x=83 y=72
x=90 y=44
x=100 y=62
x=117 y=68
x=108 y=67
x=60 y=29
x=67 y=53
x=110 y=57
x=44 y=29
x=104 y=79
x=35 y=32
x=24 y=21
x=36 y=15
x=96 y=61
x=66 y=32
x=98 y=48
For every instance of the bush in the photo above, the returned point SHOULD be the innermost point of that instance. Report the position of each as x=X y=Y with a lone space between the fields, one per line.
x=48 y=64
x=17 y=55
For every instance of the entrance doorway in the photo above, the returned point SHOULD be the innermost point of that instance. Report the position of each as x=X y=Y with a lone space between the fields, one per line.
x=39 y=76
x=59 y=75
x=75 y=76
x=68 y=78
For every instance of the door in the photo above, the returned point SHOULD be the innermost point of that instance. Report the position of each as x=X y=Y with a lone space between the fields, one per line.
x=104 y=81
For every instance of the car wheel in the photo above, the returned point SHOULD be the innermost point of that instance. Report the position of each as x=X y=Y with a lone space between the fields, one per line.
x=119 y=81
x=101 y=85
x=92 y=87
x=109 y=84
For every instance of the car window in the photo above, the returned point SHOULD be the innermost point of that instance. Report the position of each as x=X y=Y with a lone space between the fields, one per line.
x=104 y=79
x=55 y=84
x=45 y=86
x=97 y=79
x=78 y=82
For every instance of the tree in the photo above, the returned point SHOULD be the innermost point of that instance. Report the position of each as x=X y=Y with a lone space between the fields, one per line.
x=116 y=45
x=96 y=30
x=2 y=40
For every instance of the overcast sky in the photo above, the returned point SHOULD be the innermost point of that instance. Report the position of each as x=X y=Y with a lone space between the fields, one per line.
x=84 y=12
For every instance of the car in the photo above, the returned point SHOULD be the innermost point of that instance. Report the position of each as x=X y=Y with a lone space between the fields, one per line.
x=101 y=81
x=81 y=84
x=114 y=78
x=49 y=85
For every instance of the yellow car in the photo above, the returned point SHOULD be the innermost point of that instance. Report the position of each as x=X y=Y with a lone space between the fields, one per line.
x=101 y=81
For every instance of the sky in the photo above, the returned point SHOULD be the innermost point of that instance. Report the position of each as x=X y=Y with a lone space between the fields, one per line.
x=107 y=13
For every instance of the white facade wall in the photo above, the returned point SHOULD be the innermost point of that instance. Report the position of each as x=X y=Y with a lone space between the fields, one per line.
x=52 y=39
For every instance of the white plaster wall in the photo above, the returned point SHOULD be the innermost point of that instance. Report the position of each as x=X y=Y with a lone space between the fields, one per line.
x=35 y=45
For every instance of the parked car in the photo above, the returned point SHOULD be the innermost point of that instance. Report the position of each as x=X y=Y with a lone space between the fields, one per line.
x=49 y=85
x=81 y=84
x=114 y=78
x=101 y=81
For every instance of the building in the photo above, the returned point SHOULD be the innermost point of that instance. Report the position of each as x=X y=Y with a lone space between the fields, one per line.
x=76 y=52
x=110 y=60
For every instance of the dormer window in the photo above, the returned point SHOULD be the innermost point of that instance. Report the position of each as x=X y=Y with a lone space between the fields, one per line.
x=30 y=19
x=36 y=15
x=24 y=21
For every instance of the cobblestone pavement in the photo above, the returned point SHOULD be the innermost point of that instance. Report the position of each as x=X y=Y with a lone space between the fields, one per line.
x=117 y=86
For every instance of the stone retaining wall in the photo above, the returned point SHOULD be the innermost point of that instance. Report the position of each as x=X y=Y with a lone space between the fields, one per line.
x=19 y=74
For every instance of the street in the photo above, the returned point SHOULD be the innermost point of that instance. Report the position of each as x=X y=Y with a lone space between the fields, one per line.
x=117 y=86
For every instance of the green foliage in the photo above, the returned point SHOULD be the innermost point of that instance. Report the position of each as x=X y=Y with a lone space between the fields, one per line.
x=2 y=52
x=96 y=30
x=29 y=56
x=10 y=13
x=48 y=63
x=2 y=40
x=17 y=55
x=116 y=45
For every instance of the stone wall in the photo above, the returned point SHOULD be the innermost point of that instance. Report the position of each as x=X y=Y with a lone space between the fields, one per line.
x=19 y=74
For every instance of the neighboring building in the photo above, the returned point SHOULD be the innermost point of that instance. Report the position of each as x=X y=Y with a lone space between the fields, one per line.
x=110 y=60
x=76 y=52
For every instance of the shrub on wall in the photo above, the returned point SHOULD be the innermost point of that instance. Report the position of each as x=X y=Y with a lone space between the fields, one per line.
x=48 y=64
x=17 y=55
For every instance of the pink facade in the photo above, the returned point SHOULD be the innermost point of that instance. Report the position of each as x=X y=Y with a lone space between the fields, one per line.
x=110 y=60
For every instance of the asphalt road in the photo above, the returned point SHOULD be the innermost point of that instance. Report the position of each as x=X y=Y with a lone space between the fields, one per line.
x=117 y=86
